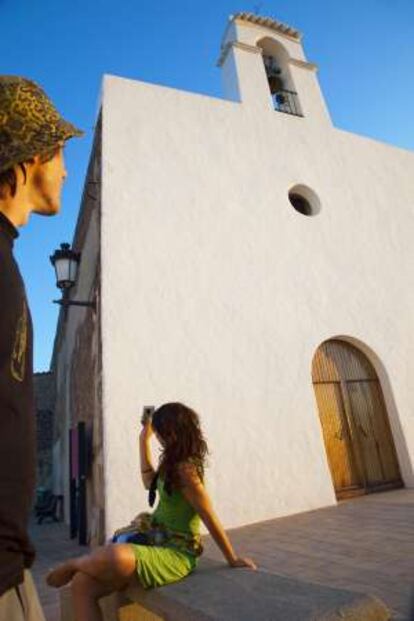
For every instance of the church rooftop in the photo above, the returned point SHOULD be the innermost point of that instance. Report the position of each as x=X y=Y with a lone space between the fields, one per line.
x=268 y=22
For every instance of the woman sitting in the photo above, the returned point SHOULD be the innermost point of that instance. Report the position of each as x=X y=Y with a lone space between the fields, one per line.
x=168 y=549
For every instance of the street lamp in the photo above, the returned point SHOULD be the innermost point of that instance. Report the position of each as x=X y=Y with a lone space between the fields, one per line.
x=66 y=262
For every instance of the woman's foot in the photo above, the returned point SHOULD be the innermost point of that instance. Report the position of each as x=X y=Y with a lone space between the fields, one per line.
x=61 y=575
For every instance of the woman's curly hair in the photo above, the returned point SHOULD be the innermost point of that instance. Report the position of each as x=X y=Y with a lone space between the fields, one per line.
x=178 y=426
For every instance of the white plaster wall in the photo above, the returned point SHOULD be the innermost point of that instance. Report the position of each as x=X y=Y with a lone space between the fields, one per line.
x=244 y=79
x=217 y=293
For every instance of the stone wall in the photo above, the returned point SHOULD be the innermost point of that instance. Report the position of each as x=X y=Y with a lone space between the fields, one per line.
x=85 y=398
x=76 y=357
x=45 y=409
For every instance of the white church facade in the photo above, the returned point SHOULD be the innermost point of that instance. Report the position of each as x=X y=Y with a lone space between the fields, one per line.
x=253 y=261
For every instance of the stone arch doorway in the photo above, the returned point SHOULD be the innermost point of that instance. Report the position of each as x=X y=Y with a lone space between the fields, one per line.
x=358 y=439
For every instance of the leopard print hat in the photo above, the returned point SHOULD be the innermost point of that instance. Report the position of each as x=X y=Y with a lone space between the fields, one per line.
x=29 y=123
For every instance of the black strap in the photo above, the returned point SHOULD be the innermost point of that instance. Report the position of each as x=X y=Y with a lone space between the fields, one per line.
x=152 y=494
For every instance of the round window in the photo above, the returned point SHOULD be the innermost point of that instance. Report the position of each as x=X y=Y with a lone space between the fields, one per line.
x=304 y=200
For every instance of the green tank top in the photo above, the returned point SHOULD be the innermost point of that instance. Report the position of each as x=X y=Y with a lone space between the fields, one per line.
x=177 y=518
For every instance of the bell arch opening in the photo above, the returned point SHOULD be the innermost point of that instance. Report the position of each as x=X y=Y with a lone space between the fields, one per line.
x=281 y=85
x=354 y=419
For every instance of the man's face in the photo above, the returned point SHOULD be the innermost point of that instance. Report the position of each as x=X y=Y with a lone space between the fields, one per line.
x=47 y=180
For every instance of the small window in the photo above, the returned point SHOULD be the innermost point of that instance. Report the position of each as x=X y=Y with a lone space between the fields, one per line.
x=304 y=200
x=300 y=204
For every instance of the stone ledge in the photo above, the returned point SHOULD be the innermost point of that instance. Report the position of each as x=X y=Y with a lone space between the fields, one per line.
x=216 y=593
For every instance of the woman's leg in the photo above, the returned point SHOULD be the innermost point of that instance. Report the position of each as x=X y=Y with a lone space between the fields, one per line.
x=86 y=593
x=95 y=575
x=112 y=565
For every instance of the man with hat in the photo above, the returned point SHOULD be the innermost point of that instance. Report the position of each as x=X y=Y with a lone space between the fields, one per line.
x=32 y=171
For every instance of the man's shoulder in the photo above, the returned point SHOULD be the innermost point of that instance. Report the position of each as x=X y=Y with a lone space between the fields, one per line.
x=6 y=250
x=10 y=277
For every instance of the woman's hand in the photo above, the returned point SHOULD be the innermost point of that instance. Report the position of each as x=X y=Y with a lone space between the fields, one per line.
x=242 y=562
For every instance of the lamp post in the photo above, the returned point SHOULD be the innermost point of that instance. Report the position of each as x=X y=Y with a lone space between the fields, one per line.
x=66 y=262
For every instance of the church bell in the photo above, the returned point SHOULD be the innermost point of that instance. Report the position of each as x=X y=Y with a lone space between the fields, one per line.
x=273 y=75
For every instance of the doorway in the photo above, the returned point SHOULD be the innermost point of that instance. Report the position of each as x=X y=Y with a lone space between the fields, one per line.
x=356 y=430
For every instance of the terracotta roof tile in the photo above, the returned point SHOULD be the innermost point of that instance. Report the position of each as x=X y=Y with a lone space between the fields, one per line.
x=268 y=22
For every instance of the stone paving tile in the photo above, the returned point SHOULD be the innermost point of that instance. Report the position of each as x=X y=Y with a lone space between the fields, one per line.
x=364 y=545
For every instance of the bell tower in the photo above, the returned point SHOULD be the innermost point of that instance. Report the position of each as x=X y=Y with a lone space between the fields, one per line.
x=264 y=67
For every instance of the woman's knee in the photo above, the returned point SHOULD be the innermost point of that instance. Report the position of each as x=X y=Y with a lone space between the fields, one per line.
x=122 y=559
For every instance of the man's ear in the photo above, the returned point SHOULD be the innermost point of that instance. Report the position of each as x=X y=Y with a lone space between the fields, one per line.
x=21 y=170
x=24 y=167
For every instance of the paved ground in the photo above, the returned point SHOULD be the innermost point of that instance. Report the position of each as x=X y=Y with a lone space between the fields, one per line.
x=365 y=545
x=53 y=545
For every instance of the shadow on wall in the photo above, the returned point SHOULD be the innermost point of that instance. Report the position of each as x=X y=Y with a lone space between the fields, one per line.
x=404 y=459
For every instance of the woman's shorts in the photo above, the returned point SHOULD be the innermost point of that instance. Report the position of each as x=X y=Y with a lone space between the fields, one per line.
x=158 y=565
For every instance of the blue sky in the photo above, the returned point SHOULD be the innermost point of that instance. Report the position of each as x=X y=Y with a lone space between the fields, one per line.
x=364 y=49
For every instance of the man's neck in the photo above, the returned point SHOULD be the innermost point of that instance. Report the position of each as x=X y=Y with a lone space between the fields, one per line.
x=17 y=208
x=14 y=208
x=7 y=228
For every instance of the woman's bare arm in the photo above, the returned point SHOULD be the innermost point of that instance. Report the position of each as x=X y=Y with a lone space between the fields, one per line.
x=147 y=469
x=195 y=493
